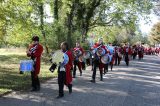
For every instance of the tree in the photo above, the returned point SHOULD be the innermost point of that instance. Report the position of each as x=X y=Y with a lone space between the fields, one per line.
x=72 y=19
x=155 y=34
x=156 y=7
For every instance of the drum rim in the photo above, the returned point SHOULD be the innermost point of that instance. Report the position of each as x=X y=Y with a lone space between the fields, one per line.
x=103 y=60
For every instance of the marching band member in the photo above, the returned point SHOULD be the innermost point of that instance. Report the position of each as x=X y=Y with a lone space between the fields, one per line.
x=134 y=51
x=92 y=55
x=127 y=52
x=98 y=47
x=106 y=65
x=111 y=52
x=120 y=51
x=35 y=52
x=118 y=55
x=157 y=50
x=140 y=52
x=64 y=71
x=78 y=52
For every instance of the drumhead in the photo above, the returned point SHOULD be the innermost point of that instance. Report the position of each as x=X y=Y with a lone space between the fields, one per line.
x=65 y=58
x=57 y=57
x=102 y=51
x=87 y=55
x=26 y=65
x=60 y=57
x=105 y=59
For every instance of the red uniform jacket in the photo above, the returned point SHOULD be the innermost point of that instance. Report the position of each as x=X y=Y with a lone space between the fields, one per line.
x=68 y=68
x=97 y=45
x=37 y=55
x=127 y=49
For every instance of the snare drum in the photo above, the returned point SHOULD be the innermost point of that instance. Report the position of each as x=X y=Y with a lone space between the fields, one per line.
x=26 y=65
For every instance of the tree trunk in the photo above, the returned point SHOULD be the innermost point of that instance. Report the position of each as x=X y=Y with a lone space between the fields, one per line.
x=56 y=18
x=89 y=15
x=56 y=9
x=69 y=25
x=69 y=34
x=41 y=10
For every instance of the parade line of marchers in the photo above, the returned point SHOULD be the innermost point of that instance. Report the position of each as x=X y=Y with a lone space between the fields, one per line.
x=66 y=61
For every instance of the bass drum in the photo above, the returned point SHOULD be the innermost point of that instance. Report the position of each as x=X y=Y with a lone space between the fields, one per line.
x=60 y=57
x=87 y=55
x=81 y=58
x=100 y=51
x=105 y=59
x=26 y=65
x=119 y=55
x=65 y=58
x=77 y=53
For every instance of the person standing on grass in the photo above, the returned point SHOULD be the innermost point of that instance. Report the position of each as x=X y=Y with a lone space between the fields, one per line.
x=64 y=72
x=35 y=51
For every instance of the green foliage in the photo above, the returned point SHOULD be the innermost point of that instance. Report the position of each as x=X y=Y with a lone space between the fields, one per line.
x=20 y=20
x=85 y=46
x=10 y=79
x=154 y=36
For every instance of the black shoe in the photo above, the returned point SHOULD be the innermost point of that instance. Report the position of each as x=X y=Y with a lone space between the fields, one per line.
x=21 y=72
x=93 y=81
x=74 y=76
x=33 y=90
x=60 y=96
x=101 y=79
x=80 y=74
x=38 y=88
x=70 y=91
x=70 y=88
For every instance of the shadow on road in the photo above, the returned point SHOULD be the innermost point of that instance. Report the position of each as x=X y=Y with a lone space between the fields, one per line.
x=136 y=85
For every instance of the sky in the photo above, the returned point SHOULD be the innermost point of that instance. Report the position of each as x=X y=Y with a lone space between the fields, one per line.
x=146 y=27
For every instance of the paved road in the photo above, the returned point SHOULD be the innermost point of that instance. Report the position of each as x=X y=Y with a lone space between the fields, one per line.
x=136 y=85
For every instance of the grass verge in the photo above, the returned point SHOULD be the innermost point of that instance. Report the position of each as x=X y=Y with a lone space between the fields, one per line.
x=10 y=79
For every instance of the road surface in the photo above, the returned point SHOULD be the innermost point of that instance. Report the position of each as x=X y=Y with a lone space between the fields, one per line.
x=136 y=85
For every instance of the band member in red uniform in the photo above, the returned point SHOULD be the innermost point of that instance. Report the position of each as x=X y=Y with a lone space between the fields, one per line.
x=140 y=52
x=120 y=50
x=134 y=51
x=111 y=53
x=35 y=52
x=78 y=51
x=117 y=55
x=97 y=59
x=157 y=50
x=127 y=52
x=65 y=76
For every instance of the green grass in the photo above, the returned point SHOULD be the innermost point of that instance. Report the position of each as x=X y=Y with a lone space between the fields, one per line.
x=10 y=79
